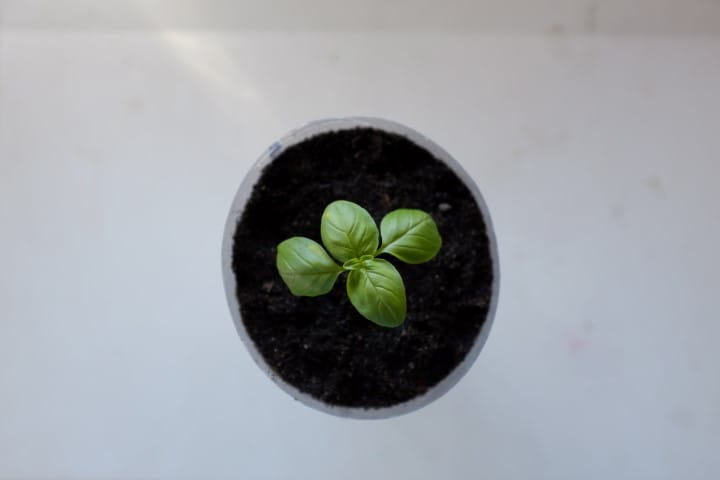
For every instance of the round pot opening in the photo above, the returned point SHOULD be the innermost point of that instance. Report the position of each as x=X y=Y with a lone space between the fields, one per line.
x=319 y=349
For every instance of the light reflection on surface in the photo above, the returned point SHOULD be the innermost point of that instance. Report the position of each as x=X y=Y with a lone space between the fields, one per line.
x=211 y=62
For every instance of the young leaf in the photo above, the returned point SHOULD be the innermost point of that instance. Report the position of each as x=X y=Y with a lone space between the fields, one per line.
x=348 y=231
x=305 y=267
x=410 y=235
x=376 y=290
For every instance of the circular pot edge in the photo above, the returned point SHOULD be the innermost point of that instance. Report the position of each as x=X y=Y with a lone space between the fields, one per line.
x=238 y=206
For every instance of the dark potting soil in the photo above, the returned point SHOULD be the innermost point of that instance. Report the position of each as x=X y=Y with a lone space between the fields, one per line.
x=321 y=345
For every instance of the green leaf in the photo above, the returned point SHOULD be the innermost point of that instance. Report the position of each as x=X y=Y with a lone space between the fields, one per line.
x=305 y=267
x=410 y=235
x=376 y=290
x=348 y=231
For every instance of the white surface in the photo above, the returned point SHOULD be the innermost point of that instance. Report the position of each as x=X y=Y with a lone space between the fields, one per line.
x=121 y=150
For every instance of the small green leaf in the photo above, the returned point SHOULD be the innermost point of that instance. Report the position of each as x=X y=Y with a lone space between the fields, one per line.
x=376 y=290
x=348 y=231
x=410 y=235
x=305 y=267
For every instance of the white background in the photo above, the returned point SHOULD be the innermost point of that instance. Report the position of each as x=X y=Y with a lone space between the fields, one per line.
x=593 y=130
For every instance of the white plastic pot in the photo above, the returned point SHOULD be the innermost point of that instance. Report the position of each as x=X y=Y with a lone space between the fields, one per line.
x=238 y=207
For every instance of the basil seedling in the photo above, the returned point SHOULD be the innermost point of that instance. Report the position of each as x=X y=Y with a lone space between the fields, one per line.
x=349 y=233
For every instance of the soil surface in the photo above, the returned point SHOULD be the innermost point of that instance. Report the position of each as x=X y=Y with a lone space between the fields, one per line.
x=321 y=345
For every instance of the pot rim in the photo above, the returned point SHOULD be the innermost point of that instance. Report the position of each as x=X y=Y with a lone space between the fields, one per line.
x=238 y=207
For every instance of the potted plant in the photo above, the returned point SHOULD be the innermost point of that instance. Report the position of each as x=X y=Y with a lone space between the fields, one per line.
x=330 y=341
